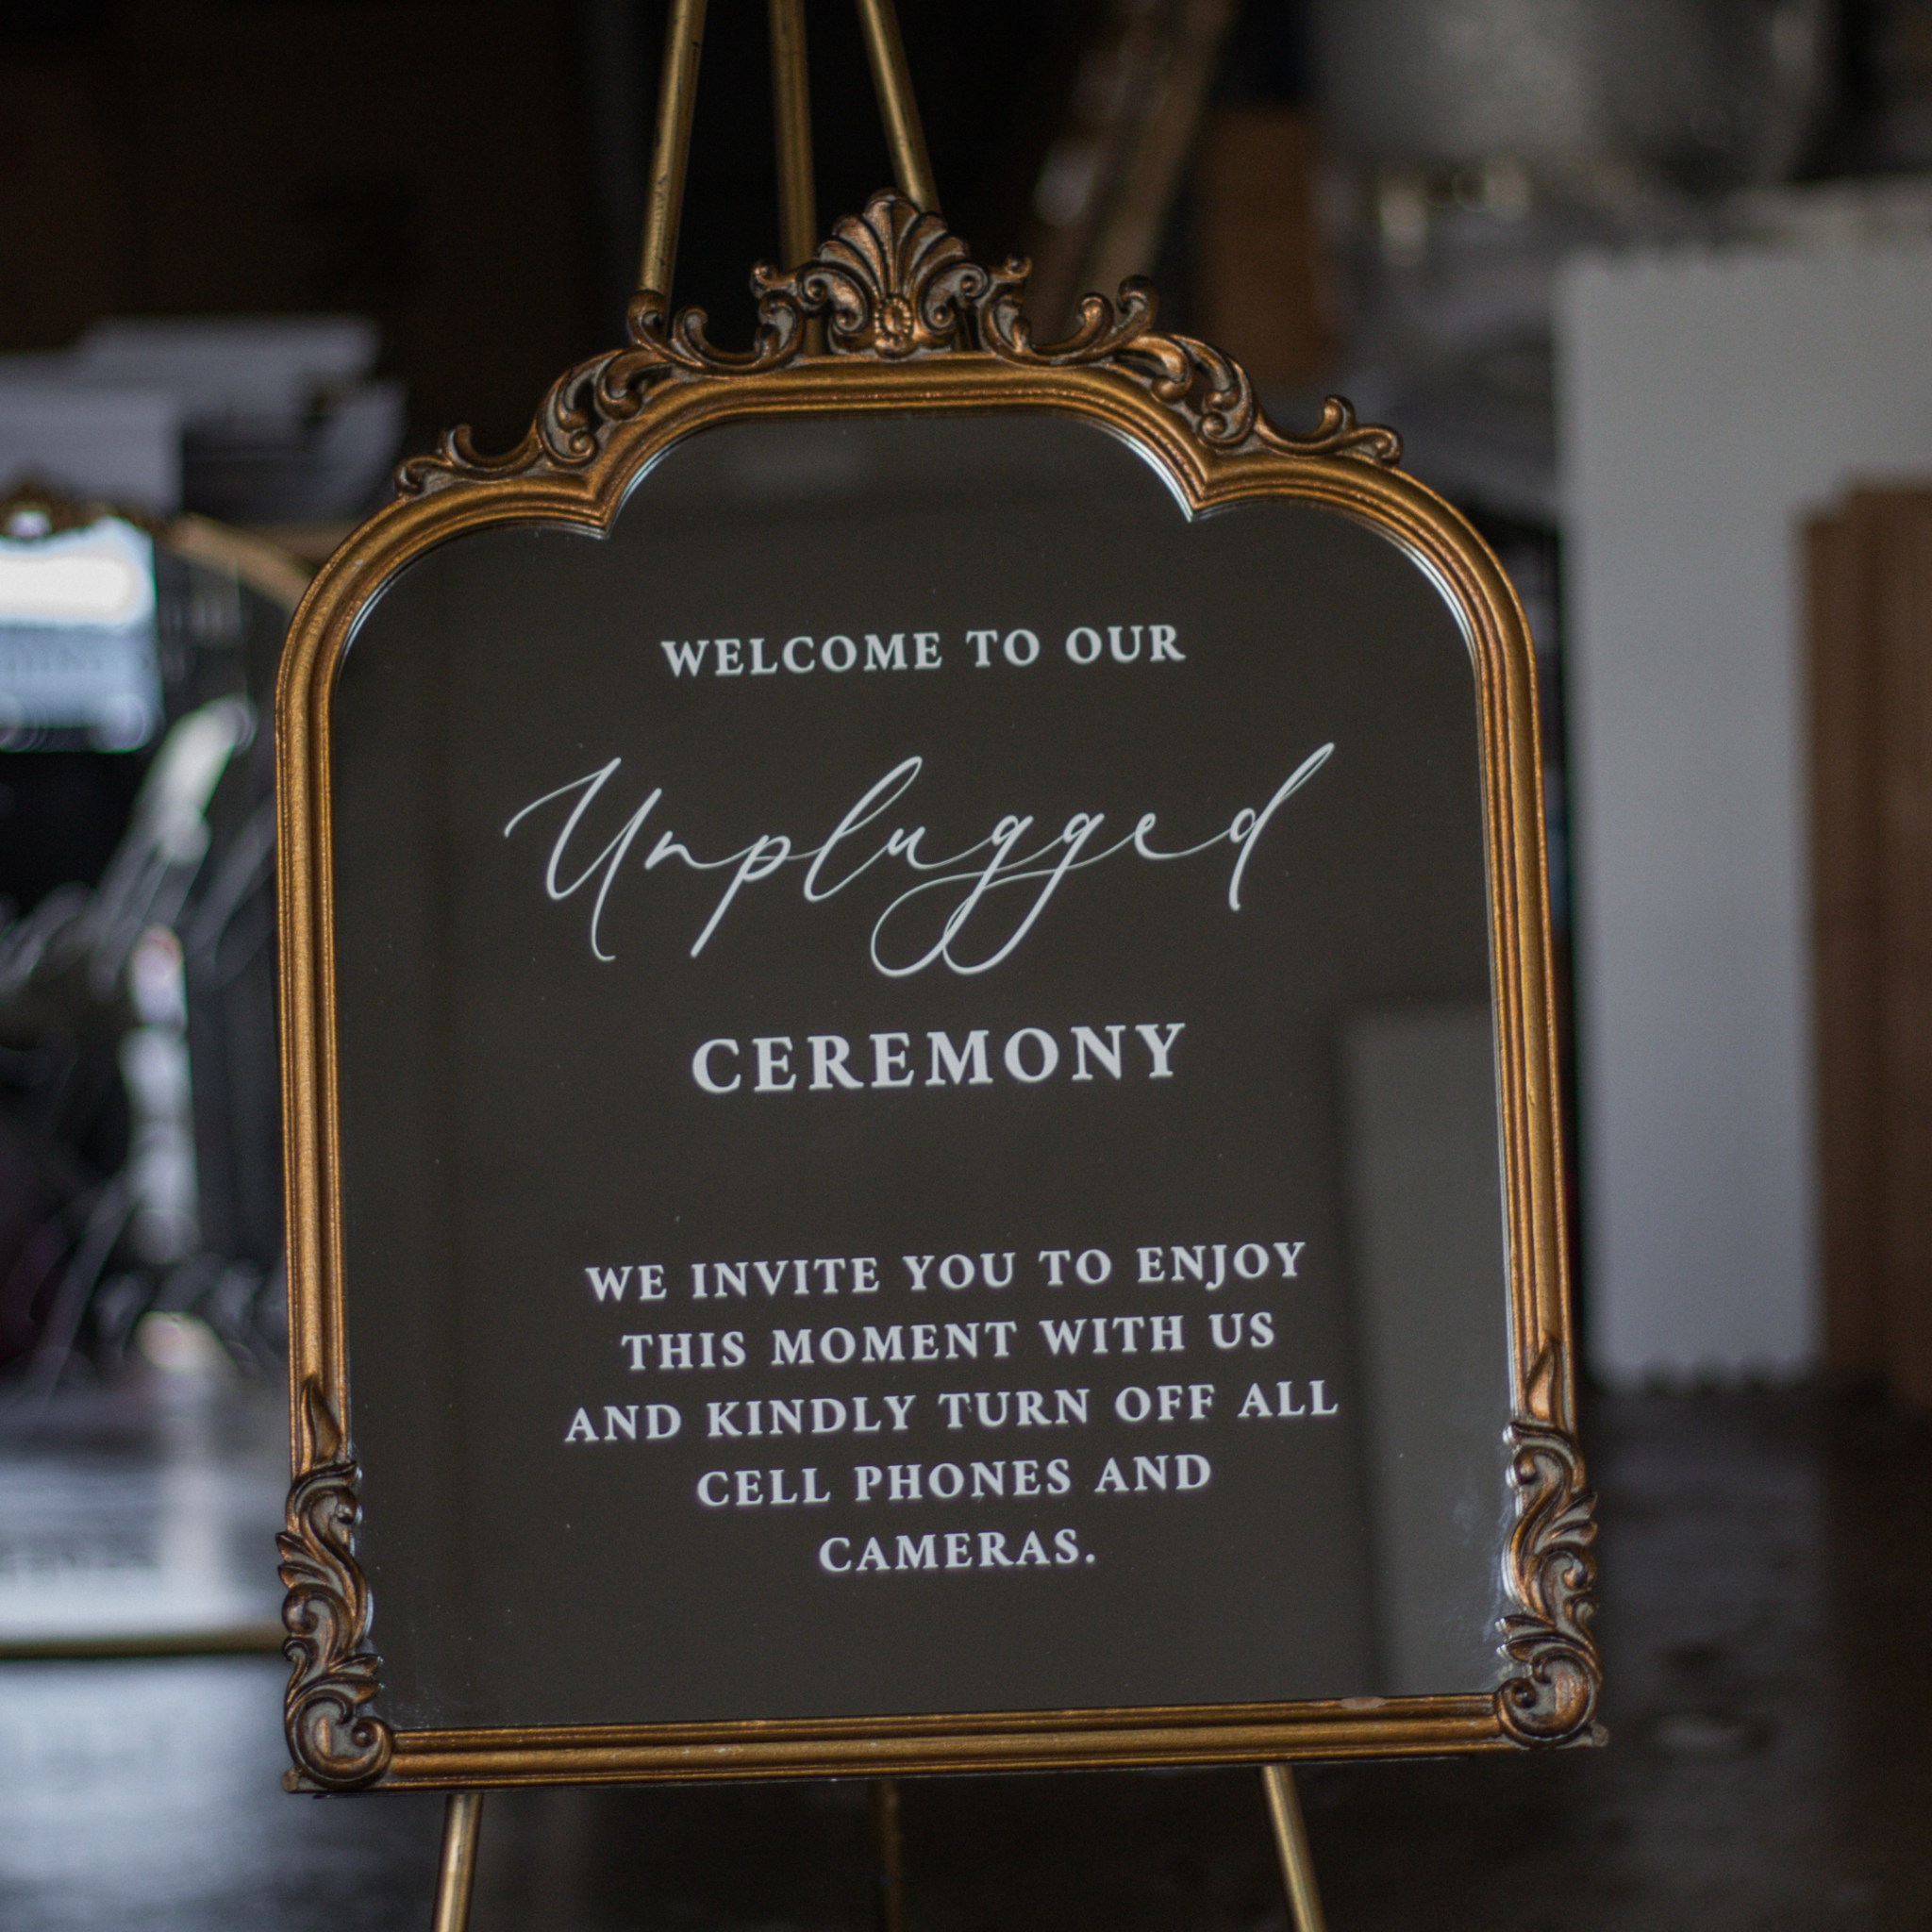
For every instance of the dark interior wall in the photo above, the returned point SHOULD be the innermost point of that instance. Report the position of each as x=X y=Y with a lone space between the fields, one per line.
x=470 y=175
x=415 y=161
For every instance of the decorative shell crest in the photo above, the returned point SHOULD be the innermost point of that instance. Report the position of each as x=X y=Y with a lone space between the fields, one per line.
x=893 y=284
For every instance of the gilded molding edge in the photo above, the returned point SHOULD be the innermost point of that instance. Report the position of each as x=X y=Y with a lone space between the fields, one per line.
x=1550 y=1571
x=894 y=283
x=337 y=1741
x=939 y=350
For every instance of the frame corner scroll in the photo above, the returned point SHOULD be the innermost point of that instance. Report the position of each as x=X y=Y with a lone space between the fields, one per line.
x=1550 y=1571
x=894 y=284
x=337 y=1741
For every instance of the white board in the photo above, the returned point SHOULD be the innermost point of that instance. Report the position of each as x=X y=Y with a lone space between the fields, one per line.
x=1707 y=403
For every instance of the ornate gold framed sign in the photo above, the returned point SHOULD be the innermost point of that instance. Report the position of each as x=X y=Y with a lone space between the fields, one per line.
x=919 y=1076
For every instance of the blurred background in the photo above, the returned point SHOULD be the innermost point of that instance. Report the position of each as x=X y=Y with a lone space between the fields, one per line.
x=1646 y=287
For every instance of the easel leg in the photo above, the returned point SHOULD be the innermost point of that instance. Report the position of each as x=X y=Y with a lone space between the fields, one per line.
x=1291 y=1848
x=462 y=1821
x=888 y=1846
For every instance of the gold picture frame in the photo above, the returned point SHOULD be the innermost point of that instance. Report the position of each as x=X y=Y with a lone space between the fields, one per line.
x=911 y=322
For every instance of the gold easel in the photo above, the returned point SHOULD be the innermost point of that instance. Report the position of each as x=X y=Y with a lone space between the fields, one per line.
x=798 y=236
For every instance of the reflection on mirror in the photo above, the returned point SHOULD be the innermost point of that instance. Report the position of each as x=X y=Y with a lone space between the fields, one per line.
x=142 y=1436
x=919 y=1096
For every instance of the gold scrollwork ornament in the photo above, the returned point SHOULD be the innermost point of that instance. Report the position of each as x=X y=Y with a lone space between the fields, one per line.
x=894 y=283
x=334 y=1736
x=1550 y=1570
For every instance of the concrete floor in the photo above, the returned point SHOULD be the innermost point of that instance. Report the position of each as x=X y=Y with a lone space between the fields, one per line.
x=1767 y=1605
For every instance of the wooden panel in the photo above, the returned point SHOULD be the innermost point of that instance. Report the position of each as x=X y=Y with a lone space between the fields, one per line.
x=1843 y=662
x=1904 y=612
x=1869 y=623
x=1258 y=264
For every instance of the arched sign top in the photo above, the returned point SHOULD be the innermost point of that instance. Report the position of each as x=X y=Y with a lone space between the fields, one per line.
x=920 y=1091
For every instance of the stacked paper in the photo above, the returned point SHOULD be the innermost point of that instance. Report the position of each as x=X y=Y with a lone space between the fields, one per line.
x=251 y=419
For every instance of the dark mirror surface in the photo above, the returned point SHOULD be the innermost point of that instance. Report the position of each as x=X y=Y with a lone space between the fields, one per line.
x=918 y=1097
